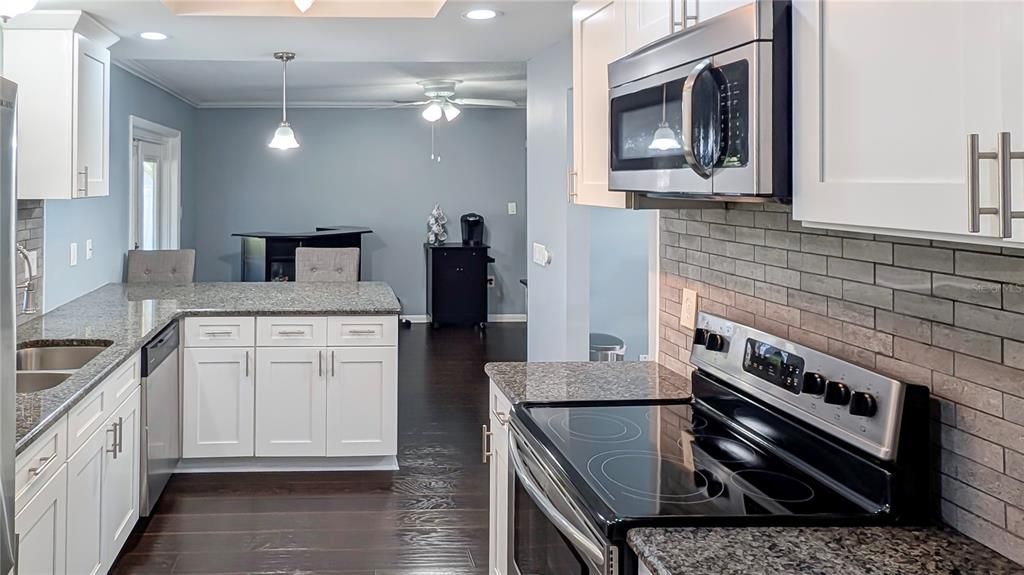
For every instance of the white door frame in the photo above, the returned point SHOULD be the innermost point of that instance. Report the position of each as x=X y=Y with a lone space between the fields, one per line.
x=142 y=129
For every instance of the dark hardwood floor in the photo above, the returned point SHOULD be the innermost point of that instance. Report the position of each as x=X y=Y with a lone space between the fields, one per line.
x=428 y=518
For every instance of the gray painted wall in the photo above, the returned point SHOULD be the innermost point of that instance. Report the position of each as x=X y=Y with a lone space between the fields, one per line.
x=105 y=220
x=559 y=293
x=365 y=167
x=620 y=274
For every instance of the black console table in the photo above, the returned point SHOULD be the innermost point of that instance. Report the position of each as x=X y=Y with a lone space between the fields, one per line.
x=270 y=256
x=457 y=284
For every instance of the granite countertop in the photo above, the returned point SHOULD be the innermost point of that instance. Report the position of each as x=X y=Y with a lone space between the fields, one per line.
x=587 y=381
x=129 y=315
x=814 y=550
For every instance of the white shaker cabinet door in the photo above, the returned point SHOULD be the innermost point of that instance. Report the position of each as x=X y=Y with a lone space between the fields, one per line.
x=121 y=470
x=362 y=401
x=85 y=505
x=598 y=38
x=92 y=142
x=291 y=389
x=881 y=120
x=41 y=528
x=218 y=402
x=646 y=21
x=500 y=408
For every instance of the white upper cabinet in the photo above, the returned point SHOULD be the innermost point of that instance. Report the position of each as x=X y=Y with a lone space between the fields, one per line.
x=647 y=21
x=598 y=38
x=882 y=119
x=61 y=63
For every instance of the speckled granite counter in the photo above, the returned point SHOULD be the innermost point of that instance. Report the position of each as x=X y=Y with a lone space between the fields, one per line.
x=814 y=550
x=586 y=381
x=129 y=315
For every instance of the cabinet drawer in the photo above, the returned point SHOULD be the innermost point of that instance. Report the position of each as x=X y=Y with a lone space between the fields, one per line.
x=91 y=412
x=220 y=332
x=37 y=464
x=362 y=331
x=291 y=331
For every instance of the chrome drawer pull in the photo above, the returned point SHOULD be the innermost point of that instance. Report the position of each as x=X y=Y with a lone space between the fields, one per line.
x=291 y=332
x=501 y=417
x=218 y=333
x=485 y=452
x=362 y=332
x=44 y=462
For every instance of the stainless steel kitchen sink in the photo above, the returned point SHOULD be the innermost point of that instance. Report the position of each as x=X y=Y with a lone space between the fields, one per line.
x=54 y=358
x=33 y=381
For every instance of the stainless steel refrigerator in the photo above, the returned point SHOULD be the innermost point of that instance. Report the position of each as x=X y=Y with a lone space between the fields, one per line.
x=8 y=96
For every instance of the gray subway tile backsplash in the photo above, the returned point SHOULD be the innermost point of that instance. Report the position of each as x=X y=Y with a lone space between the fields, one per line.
x=942 y=314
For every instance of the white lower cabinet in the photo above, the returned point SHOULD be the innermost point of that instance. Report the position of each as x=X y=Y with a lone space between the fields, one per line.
x=85 y=506
x=41 y=528
x=362 y=401
x=218 y=402
x=291 y=389
x=121 y=468
x=500 y=408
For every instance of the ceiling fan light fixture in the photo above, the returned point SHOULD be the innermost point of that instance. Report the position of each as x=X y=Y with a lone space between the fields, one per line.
x=303 y=5
x=451 y=111
x=284 y=138
x=433 y=112
x=11 y=8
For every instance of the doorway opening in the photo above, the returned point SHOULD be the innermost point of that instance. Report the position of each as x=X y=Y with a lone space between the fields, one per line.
x=154 y=206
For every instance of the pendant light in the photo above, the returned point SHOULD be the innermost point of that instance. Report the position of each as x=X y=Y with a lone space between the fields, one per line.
x=284 y=136
x=664 y=136
x=303 y=5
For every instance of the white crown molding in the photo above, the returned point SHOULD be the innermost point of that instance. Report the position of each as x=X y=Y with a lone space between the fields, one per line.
x=144 y=74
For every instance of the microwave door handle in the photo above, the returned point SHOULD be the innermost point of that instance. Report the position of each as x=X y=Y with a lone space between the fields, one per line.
x=591 y=550
x=688 y=152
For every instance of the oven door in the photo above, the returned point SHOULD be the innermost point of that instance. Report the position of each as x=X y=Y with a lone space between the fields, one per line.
x=688 y=130
x=550 y=534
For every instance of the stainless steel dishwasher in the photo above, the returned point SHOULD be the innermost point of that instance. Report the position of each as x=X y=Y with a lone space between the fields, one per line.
x=161 y=416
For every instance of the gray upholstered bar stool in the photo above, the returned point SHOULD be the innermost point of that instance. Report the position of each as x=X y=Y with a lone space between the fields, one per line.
x=326 y=264
x=161 y=266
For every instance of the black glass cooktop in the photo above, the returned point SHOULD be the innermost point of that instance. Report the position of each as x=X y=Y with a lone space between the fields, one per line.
x=644 y=463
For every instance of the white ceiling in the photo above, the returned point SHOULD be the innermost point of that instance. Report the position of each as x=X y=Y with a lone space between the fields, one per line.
x=228 y=60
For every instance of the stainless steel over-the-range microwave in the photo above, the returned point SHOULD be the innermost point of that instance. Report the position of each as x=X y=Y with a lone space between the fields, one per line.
x=706 y=112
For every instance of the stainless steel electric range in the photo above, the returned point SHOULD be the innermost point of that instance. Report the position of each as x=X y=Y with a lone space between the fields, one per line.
x=776 y=434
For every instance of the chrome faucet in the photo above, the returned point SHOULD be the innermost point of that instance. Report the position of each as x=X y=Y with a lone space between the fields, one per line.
x=27 y=303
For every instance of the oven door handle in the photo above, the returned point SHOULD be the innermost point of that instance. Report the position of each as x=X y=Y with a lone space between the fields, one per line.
x=689 y=145
x=593 y=551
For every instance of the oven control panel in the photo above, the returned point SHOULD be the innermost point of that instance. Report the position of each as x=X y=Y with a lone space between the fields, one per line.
x=849 y=402
x=776 y=366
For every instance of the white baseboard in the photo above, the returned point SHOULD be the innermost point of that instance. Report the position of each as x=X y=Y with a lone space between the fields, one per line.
x=491 y=318
x=251 y=464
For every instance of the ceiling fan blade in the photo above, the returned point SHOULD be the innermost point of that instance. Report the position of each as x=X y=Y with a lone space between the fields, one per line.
x=484 y=102
x=411 y=103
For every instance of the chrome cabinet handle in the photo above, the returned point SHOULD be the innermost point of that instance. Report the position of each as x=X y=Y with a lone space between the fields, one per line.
x=246 y=363
x=687 y=18
x=113 y=449
x=688 y=137
x=332 y=363
x=570 y=185
x=501 y=417
x=44 y=462
x=291 y=332
x=580 y=541
x=485 y=452
x=362 y=332
x=1004 y=155
x=217 y=333
x=320 y=361
x=120 y=435
x=84 y=188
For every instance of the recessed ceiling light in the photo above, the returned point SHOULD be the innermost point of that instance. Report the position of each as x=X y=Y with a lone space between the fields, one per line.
x=153 y=36
x=481 y=14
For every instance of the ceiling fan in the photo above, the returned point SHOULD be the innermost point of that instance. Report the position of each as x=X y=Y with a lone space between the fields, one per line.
x=441 y=101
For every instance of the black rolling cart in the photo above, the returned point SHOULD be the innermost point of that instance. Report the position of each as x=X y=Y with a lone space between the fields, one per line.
x=457 y=284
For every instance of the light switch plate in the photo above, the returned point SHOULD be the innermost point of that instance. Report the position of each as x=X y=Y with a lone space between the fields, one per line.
x=688 y=313
x=512 y=208
x=74 y=254
x=541 y=255
x=88 y=249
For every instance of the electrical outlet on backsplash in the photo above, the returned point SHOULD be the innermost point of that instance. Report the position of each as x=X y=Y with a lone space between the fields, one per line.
x=30 y=235
x=946 y=315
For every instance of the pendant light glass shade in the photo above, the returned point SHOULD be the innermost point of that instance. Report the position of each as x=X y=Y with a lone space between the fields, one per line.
x=284 y=136
x=11 y=8
x=664 y=137
x=433 y=112
x=451 y=111
x=303 y=5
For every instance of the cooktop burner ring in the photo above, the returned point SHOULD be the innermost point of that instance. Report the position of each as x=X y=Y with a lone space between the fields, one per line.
x=735 y=452
x=802 y=493
x=624 y=430
x=706 y=490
